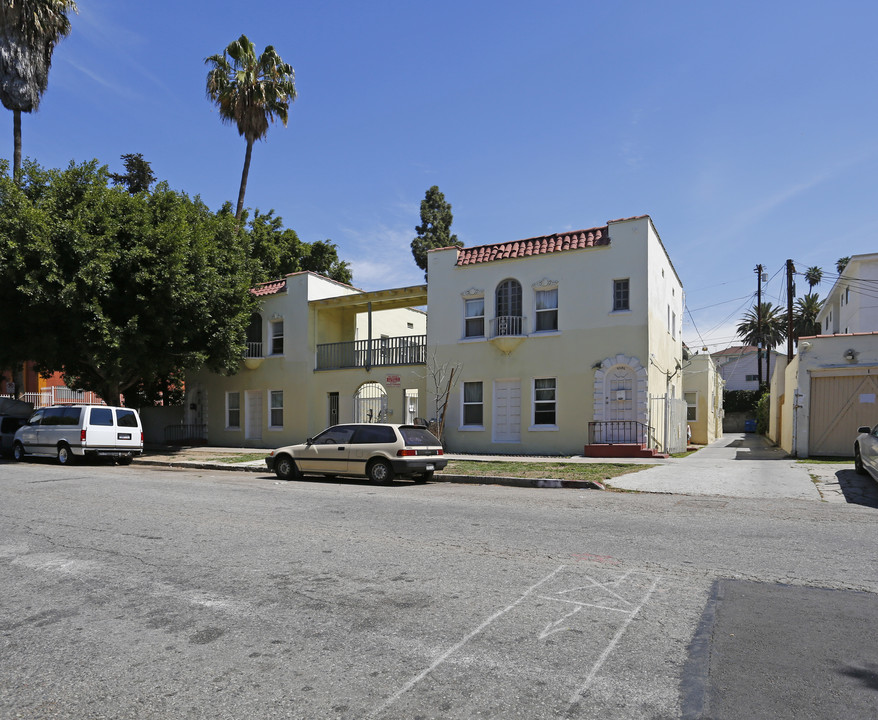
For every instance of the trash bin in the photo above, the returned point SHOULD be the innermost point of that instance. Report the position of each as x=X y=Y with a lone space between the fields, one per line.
x=750 y=426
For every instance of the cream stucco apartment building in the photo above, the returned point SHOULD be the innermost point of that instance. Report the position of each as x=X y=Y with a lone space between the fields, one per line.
x=558 y=335
x=550 y=339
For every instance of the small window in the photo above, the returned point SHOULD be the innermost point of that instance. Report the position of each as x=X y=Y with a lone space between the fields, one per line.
x=126 y=418
x=751 y=378
x=277 y=337
x=338 y=435
x=474 y=312
x=70 y=416
x=545 y=401
x=621 y=294
x=410 y=326
x=547 y=310
x=53 y=416
x=691 y=399
x=473 y=404
x=372 y=434
x=233 y=410
x=276 y=417
x=102 y=416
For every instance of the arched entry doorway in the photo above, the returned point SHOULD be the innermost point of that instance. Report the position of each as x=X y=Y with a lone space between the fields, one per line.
x=370 y=403
x=620 y=400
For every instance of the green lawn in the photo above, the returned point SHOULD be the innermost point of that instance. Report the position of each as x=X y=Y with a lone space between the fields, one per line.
x=582 y=472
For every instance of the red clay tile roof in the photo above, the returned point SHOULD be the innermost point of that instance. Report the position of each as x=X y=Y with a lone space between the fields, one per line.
x=535 y=246
x=269 y=288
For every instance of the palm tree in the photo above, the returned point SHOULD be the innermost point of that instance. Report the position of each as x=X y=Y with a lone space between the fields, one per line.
x=29 y=31
x=250 y=92
x=767 y=327
x=813 y=276
x=805 y=316
x=842 y=263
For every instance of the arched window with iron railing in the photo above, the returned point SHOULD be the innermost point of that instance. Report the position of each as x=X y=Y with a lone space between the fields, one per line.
x=254 y=336
x=507 y=308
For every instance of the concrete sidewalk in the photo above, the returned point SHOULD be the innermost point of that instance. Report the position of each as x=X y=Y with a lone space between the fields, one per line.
x=737 y=465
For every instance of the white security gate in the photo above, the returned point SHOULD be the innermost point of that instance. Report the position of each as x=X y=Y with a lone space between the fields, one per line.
x=370 y=403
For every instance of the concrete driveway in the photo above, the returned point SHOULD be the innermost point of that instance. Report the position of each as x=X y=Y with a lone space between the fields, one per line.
x=737 y=465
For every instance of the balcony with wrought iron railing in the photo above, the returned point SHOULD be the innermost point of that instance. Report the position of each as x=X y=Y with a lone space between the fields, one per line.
x=379 y=352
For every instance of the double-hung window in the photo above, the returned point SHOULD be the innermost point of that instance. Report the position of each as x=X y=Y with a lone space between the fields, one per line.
x=473 y=403
x=547 y=310
x=621 y=294
x=545 y=401
x=691 y=399
x=474 y=317
x=277 y=337
x=276 y=410
x=233 y=410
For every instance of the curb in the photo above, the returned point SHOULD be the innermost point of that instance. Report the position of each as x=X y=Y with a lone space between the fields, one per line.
x=438 y=477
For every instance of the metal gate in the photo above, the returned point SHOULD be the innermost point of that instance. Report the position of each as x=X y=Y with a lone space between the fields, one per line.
x=370 y=403
x=667 y=416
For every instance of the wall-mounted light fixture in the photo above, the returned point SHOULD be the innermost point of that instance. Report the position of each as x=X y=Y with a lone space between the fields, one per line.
x=850 y=355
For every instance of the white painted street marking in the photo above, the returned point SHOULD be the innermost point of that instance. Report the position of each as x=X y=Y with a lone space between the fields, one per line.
x=454 y=648
x=582 y=689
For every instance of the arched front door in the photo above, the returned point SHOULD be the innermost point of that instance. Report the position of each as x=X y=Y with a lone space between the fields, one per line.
x=620 y=401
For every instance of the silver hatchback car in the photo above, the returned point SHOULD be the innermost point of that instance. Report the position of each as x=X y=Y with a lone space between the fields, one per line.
x=376 y=451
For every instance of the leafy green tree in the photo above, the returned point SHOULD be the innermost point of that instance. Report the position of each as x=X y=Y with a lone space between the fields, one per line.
x=250 y=92
x=813 y=276
x=278 y=251
x=805 y=314
x=767 y=327
x=322 y=258
x=29 y=31
x=118 y=291
x=842 y=263
x=435 y=228
x=138 y=176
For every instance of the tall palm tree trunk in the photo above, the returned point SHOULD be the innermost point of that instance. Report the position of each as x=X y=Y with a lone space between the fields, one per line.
x=16 y=136
x=244 y=180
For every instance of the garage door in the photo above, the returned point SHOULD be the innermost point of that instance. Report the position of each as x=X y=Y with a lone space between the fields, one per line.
x=839 y=405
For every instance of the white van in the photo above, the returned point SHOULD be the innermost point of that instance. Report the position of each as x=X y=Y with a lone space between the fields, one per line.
x=70 y=431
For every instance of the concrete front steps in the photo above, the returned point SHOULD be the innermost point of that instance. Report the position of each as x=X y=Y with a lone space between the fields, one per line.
x=622 y=450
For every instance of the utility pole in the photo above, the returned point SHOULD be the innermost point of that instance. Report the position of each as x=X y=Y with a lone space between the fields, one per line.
x=791 y=291
x=759 y=324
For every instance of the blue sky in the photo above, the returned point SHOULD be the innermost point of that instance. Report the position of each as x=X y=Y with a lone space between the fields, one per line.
x=747 y=131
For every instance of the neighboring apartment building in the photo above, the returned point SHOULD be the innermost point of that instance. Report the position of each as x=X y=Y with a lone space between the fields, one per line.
x=831 y=387
x=703 y=392
x=738 y=369
x=852 y=304
x=555 y=333
x=318 y=352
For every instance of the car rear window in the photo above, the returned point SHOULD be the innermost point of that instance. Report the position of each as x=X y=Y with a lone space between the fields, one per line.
x=126 y=418
x=102 y=416
x=418 y=436
x=368 y=434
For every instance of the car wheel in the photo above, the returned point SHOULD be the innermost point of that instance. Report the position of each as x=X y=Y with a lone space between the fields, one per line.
x=125 y=460
x=423 y=477
x=18 y=452
x=65 y=455
x=858 y=461
x=285 y=468
x=380 y=472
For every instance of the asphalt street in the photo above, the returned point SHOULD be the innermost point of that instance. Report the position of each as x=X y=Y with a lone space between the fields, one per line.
x=154 y=593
